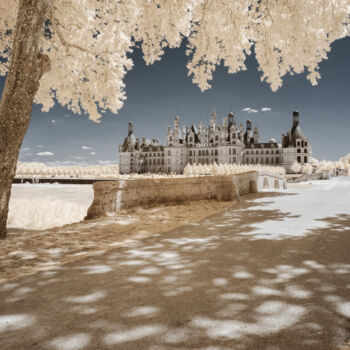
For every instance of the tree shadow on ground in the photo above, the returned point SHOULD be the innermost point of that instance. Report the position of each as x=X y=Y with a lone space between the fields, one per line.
x=209 y=285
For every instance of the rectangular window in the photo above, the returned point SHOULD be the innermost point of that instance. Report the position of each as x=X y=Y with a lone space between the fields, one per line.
x=305 y=159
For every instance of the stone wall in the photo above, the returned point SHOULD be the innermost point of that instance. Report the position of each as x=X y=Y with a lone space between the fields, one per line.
x=113 y=196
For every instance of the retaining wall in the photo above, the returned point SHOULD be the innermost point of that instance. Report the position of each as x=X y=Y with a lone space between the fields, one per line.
x=113 y=196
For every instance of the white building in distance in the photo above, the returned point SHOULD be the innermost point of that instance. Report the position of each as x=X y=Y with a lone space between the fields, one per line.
x=220 y=143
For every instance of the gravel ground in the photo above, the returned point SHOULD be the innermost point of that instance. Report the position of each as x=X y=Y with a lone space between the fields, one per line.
x=230 y=281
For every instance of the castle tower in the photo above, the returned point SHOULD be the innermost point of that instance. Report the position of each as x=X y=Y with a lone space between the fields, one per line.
x=176 y=123
x=184 y=132
x=176 y=130
x=130 y=128
x=200 y=126
x=241 y=131
x=249 y=125
x=295 y=118
x=256 y=134
x=213 y=118
x=230 y=119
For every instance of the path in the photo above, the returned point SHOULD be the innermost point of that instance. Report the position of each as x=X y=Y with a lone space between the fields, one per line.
x=272 y=273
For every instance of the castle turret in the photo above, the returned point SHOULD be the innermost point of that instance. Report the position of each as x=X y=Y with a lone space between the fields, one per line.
x=230 y=119
x=295 y=118
x=184 y=131
x=176 y=123
x=249 y=125
x=213 y=121
x=256 y=134
x=130 y=128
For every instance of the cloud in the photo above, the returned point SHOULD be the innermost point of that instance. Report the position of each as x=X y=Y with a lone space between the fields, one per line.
x=53 y=121
x=265 y=109
x=78 y=158
x=45 y=154
x=26 y=149
x=249 y=110
x=92 y=153
x=40 y=146
x=67 y=115
x=86 y=147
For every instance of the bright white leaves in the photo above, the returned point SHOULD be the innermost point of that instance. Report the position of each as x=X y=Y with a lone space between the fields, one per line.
x=91 y=41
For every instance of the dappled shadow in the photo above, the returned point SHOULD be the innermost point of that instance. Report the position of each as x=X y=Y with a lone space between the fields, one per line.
x=209 y=285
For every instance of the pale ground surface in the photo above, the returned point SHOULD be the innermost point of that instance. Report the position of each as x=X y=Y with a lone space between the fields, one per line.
x=28 y=251
x=271 y=273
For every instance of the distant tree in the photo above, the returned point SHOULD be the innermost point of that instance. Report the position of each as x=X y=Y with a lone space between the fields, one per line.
x=76 y=52
x=296 y=167
x=306 y=169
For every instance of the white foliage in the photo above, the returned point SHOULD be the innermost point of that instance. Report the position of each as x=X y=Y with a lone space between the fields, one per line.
x=229 y=169
x=306 y=169
x=91 y=40
x=342 y=165
x=314 y=162
x=296 y=167
x=42 y=170
x=42 y=206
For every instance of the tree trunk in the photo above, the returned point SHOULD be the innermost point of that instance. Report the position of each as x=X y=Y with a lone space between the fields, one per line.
x=22 y=82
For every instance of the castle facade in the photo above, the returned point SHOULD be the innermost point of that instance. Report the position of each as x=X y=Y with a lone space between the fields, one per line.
x=224 y=142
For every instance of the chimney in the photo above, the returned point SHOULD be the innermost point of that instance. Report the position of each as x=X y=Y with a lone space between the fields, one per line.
x=130 y=128
x=295 y=118
x=249 y=124
x=230 y=118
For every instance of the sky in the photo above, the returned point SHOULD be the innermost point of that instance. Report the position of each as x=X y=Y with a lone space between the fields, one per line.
x=159 y=92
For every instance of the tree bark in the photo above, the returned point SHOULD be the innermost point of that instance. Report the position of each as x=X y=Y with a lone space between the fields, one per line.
x=22 y=82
